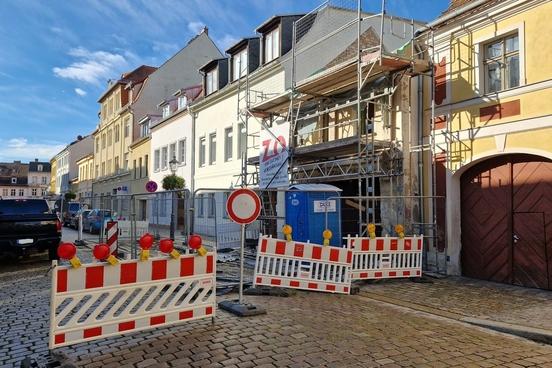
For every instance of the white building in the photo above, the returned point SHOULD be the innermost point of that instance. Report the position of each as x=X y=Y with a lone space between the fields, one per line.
x=171 y=139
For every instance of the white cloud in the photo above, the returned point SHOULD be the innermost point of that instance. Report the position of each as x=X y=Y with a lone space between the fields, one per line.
x=80 y=92
x=94 y=67
x=21 y=149
x=195 y=27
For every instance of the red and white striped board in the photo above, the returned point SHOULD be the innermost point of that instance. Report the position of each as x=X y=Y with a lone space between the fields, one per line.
x=304 y=266
x=99 y=300
x=386 y=257
x=112 y=236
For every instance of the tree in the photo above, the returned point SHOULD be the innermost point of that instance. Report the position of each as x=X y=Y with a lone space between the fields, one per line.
x=69 y=196
x=173 y=182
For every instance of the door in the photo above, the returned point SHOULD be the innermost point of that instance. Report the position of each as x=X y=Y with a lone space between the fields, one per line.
x=529 y=243
x=506 y=220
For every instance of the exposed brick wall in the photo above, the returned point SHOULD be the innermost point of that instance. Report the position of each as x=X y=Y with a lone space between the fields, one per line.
x=499 y=111
x=441 y=81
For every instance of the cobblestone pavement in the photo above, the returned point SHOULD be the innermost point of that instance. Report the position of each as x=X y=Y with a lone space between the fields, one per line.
x=474 y=298
x=305 y=330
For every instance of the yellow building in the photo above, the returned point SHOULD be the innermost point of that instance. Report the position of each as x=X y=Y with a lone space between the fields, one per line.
x=114 y=136
x=492 y=135
x=86 y=175
x=53 y=165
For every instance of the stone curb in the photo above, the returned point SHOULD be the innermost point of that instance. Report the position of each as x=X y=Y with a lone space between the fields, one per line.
x=530 y=333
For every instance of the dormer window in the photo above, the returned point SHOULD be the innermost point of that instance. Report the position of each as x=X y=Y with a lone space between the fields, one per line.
x=145 y=128
x=239 y=64
x=182 y=102
x=14 y=180
x=166 y=110
x=211 y=81
x=40 y=167
x=271 y=45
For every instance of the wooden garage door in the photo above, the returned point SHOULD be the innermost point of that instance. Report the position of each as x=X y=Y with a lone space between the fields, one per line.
x=507 y=198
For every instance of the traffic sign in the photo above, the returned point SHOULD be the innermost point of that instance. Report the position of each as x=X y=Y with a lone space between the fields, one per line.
x=151 y=186
x=243 y=206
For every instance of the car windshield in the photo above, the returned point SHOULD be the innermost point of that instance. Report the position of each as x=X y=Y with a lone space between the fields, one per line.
x=23 y=207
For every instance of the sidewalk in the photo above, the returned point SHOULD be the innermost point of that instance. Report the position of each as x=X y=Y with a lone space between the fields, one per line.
x=474 y=301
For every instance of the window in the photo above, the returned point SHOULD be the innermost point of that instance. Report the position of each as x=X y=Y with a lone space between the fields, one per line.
x=166 y=110
x=145 y=128
x=212 y=148
x=242 y=140
x=117 y=164
x=156 y=160
x=97 y=171
x=39 y=167
x=182 y=102
x=14 y=180
x=43 y=192
x=164 y=158
x=146 y=164
x=228 y=134
x=12 y=192
x=135 y=169
x=103 y=168
x=182 y=152
x=239 y=64
x=98 y=144
x=211 y=81
x=211 y=206
x=103 y=140
x=272 y=45
x=200 y=207
x=201 y=151
x=104 y=111
x=44 y=180
x=502 y=64
x=117 y=101
x=127 y=127
x=21 y=192
x=5 y=192
x=34 y=192
x=109 y=137
x=34 y=180
x=126 y=161
x=117 y=133
x=110 y=107
x=140 y=166
x=109 y=166
x=172 y=151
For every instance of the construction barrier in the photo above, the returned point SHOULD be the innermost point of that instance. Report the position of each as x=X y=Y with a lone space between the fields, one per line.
x=98 y=300
x=385 y=257
x=112 y=236
x=142 y=227
x=296 y=265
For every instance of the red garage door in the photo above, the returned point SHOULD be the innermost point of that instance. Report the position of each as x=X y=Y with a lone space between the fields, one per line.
x=507 y=221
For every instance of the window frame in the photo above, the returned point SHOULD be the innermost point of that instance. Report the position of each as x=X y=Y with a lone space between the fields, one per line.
x=166 y=111
x=269 y=37
x=157 y=160
x=213 y=148
x=243 y=70
x=212 y=86
x=182 y=152
x=202 y=147
x=182 y=105
x=228 y=144
x=501 y=61
x=164 y=158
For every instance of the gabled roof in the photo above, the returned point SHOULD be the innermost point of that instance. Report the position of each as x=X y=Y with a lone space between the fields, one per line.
x=138 y=75
x=33 y=166
x=270 y=22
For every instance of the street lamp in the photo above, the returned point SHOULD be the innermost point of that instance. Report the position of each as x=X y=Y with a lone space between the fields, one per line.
x=172 y=166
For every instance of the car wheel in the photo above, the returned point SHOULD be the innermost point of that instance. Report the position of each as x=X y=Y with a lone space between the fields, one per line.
x=52 y=252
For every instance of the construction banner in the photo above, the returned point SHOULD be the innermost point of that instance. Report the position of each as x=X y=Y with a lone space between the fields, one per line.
x=273 y=156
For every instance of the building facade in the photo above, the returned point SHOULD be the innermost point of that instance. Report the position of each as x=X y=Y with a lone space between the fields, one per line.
x=492 y=133
x=39 y=178
x=85 y=177
x=21 y=181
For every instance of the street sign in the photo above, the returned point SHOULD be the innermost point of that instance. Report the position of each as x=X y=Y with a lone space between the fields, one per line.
x=151 y=186
x=243 y=206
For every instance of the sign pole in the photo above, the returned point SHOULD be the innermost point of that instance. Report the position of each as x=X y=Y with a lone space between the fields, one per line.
x=242 y=252
x=243 y=207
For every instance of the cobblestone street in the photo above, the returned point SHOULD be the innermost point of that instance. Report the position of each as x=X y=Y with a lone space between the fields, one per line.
x=304 y=330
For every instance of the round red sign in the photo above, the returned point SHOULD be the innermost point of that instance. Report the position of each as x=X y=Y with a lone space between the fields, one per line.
x=151 y=186
x=243 y=206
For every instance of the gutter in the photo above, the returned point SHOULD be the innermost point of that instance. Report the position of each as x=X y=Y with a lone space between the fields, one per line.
x=450 y=15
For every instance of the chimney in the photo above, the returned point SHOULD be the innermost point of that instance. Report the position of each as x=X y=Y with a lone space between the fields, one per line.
x=79 y=137
x=36 y=159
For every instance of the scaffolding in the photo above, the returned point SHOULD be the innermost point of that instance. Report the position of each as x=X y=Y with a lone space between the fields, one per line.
x=342 y=106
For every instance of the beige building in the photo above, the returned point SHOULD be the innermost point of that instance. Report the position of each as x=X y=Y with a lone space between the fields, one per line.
x=114 y=135
x=86 y=175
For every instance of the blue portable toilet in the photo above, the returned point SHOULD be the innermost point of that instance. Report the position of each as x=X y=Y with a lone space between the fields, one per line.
x=306 y=214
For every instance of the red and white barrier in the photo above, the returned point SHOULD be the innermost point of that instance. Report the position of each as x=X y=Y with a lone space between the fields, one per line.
x=112 y=236
x=100 y=300
x=386 y=257
x=305 y=266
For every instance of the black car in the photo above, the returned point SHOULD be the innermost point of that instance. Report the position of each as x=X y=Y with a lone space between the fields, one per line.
x=28 y=225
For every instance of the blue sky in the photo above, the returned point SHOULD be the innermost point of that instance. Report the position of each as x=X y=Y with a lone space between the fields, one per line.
x=56 y=56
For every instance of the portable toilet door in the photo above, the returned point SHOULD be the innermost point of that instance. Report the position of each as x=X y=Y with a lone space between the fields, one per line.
x=297 y=215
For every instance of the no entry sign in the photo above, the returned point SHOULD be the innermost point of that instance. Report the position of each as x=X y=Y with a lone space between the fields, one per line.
x=243 y=206
x=151 y=186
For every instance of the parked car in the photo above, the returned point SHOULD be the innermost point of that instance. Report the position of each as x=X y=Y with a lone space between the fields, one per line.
x=93 y=222
x=74 y=223
x=69 y=212
x=28 y=225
